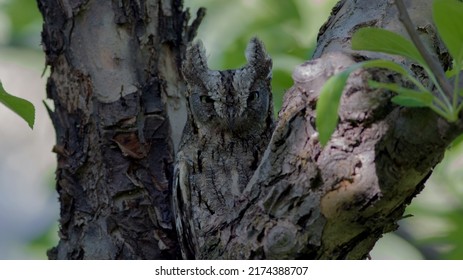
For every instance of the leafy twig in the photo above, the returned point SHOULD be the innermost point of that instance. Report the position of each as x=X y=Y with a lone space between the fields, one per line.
x=430 y=60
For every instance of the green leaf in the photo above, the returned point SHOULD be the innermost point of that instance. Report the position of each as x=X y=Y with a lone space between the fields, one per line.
x=451 y=72
x=387 y=64
x=381 y=40
x=448 y=17
x=457 y=141
x=22 y=107
x=406 y=97
x=390 y=65
x=408 y=100
x=330 y=94
x=328 y=104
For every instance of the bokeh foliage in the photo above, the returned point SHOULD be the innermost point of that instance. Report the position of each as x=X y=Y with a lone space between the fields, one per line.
x=18 y=29
x=24 y=21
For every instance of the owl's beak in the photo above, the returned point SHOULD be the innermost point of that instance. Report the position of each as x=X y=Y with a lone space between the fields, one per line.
x=231 y=118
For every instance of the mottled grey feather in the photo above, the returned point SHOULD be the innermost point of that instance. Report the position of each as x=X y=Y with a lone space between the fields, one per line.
x=230 y=121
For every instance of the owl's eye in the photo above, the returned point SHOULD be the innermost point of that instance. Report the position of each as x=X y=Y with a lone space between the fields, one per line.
x=253 y=95
x=206 y=99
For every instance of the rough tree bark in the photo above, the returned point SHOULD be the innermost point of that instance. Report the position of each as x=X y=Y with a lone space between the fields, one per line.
x=115 y=83
x=114 y=67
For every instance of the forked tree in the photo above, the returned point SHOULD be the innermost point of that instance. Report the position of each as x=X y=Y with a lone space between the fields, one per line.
x=119 y=111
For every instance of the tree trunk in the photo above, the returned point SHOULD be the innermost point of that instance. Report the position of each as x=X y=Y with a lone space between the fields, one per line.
x=119 y=111
x=114 y=68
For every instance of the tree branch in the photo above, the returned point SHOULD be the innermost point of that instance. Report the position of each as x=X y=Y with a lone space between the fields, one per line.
x=432 y=62
x=192 y=30
x=334 y=202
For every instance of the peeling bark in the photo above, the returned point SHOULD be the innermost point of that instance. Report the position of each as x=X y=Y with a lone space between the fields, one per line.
x=114 y=78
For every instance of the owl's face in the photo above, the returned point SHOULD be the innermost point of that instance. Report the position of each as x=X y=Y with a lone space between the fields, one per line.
x=235 y=101
x=232 y=100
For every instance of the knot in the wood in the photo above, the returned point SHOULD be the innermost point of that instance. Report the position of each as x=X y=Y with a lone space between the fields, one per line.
x=306 y=71
x=281 y=240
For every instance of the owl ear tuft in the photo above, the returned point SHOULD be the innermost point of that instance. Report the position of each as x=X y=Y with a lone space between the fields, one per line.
x=195 y=64
x=258 y=58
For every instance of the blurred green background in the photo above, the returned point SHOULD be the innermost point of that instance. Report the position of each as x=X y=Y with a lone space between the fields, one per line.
x=28 y=203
